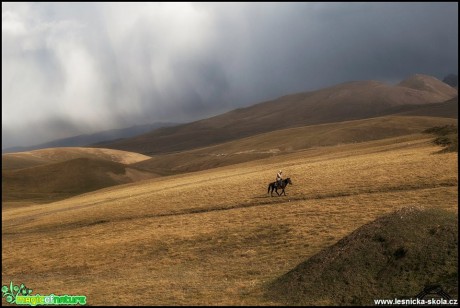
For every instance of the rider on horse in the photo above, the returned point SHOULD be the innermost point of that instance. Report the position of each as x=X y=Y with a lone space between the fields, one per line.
x=279 y=178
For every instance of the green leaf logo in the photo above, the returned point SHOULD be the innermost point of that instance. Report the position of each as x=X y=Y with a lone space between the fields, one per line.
x=13 y=291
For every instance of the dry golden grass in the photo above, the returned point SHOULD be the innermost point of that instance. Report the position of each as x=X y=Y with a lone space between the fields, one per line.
x=290 y=140
x=394 y=256
x=343 y=102
x=53 y=155
x=215 y=237
x=58 y=181
x=47 y=175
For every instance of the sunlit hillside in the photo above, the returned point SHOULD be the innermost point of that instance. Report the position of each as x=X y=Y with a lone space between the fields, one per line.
x=33 y=158
x=343 y=102
x=281 y=142
x=47 y=175
x=216 y=237
x=143 y=145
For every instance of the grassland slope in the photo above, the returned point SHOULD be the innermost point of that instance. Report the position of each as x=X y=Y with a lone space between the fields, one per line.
x=429 y=84
x=274 y=144
x=215 y=237
x=395 y=256
x=53 y=155
x=60 y=180
x=447 y=109
x=343 y=102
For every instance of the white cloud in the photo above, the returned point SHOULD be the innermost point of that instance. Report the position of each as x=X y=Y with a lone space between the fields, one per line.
x=107 y=65
x=12 y=24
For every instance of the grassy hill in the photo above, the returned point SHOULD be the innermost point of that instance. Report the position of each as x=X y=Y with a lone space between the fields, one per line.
x=395 y=256
x=55 y=181
x=429 y=84
x=53 y=155
x=275 y=144
x=46 y=175
x=348 y=101
x=63 y=172
x=86 y=139
x=215 y=237
x=447 y=109
x=60 y=173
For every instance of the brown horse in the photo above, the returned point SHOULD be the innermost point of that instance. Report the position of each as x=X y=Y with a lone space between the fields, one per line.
x=274 y=186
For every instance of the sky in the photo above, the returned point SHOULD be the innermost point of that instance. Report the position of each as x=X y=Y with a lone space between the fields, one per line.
x=78 y=68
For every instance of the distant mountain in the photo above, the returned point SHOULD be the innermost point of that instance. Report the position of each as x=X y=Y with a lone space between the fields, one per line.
x=286 y=141
x=429 y=84
x=347 y=101
x=447 y=109
x=84 y=140
x=451 y=80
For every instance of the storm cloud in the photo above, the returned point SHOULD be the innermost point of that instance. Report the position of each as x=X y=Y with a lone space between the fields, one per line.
x=73 y=68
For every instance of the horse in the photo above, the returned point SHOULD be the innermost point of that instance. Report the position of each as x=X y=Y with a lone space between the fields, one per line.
x=274 y=187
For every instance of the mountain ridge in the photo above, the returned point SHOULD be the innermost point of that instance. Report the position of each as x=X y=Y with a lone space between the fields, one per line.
x=95 y=138
x=343 y=102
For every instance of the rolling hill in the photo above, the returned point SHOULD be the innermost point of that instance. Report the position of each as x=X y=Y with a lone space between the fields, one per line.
x=274 y=144
x=84 y=140
x=395 y=256
x=47 y=175
x=447 y=109
x=343 y=102
x=52 y=174
x=215 y=237
x=53 y=155
x=429 y=84
x=372 y=211
x=56 y=181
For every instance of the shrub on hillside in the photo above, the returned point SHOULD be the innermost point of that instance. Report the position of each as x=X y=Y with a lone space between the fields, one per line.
x=447 y=137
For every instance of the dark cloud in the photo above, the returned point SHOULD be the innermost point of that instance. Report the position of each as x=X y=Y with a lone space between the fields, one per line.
x=58 y=127
x=70 y=68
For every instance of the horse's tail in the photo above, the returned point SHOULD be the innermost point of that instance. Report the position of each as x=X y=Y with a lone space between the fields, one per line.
x=268 y=191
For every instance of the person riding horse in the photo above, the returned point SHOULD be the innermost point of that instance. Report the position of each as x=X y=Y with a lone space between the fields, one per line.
x=279 y=178
x=273 y=186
